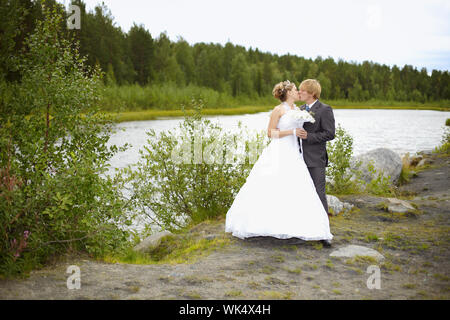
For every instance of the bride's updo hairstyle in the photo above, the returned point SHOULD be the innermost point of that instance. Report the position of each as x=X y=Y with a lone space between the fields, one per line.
x=281 y=89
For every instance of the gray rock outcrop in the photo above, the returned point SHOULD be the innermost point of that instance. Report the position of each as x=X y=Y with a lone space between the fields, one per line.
x=397 y=205
x=151 y=242
x=352 y=251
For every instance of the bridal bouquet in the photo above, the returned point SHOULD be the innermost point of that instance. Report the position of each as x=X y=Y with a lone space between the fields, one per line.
x=301 y=116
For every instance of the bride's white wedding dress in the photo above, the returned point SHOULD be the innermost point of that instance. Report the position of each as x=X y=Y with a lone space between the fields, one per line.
x=278 y=198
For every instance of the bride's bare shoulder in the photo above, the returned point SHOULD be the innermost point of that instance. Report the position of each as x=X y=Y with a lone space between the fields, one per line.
x=277 y=109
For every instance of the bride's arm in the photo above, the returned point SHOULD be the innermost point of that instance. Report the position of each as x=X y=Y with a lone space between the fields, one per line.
x=272 y=130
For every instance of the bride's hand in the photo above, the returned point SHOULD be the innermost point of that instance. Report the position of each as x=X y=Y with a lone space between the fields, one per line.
x=301 y=133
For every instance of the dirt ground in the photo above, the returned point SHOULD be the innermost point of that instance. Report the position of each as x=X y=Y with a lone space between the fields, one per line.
x=415 y=246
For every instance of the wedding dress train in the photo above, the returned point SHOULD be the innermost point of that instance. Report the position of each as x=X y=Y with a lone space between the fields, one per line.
x=279 y=198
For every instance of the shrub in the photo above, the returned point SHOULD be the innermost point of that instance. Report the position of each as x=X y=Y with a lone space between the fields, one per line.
x=380 y=184
x=340 y=151
x=53 y=196
x=445 y=141
x=192 y=173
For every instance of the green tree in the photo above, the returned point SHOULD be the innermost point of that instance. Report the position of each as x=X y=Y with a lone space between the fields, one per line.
x=325 y=83
x=53 y=195
x=165 y=63
x=185 y=59
x=135 y=57
x=355 y=93
x=104 y=43
x=141 y=53
x=240 y=77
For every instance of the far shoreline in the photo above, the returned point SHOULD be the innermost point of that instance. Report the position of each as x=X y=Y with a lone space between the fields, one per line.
x=168 y=114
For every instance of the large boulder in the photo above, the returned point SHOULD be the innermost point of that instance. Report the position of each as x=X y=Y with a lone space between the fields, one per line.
x=151 y=242
x=384 y=161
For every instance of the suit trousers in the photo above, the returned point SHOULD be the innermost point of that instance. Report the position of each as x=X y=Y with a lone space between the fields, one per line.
x=318 y=177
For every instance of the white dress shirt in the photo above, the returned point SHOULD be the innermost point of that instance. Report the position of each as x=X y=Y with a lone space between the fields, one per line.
x=310 y=106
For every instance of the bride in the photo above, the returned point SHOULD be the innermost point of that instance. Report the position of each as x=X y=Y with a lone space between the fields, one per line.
x=279 y=198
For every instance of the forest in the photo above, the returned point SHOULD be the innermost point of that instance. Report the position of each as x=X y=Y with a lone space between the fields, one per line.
x=144 y=71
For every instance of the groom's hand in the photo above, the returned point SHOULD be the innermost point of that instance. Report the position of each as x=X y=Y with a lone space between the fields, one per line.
x=301 y=133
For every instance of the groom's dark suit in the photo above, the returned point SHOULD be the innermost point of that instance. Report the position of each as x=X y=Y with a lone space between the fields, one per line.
x=314 y=146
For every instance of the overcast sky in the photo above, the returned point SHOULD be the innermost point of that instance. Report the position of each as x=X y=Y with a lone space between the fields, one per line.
x=386 y=31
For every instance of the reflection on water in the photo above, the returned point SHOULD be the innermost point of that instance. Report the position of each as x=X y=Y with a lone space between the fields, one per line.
x=400 y=130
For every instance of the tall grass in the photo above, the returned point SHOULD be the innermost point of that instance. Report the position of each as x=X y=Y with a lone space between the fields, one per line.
x=169 y=97
x=157 y=114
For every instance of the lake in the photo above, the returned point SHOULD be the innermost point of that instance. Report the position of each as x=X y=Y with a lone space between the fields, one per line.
x=400 y=130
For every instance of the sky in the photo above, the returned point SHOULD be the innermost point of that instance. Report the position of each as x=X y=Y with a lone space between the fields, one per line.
x=391 y=32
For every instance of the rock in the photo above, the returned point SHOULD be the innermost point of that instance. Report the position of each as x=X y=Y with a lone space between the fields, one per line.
x=411 y=161
x=151 y=242
x=415 y=160
x=384 y=160
x=424 y=162
x=397 y=205
x=337 y=206
x=352 y=251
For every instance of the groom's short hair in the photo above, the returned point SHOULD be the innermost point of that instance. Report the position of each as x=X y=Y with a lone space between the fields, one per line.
x=311 y=86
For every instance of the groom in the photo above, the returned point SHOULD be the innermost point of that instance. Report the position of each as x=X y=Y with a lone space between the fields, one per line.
x=315 y=136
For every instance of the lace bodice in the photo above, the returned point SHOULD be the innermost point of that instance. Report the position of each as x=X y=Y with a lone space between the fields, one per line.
x=287 y=122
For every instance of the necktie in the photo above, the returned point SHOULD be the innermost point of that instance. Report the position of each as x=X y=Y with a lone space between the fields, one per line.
x=307 y=108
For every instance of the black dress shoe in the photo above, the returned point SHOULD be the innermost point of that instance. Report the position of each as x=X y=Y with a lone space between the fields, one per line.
x=326 y=243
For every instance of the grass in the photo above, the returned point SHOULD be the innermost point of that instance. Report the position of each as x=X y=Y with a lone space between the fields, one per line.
x=274 y=280
x=233 y=293
x=311 y=266
x=409 y=285
x=370 y=237
x=441 y=277
x=329 y=264
x=357 y=270
x=158 y=114
x=170 y=96
x=406 y=174
x=317 y=245
x=278 y=258
x=275 y=295
x=297 y=270
x=443 y=148
x=336 y=291
x=192 y=295
x=268 y=270
x=365 y=260
x=172 y=250
x=196 y=280
x=254 y=285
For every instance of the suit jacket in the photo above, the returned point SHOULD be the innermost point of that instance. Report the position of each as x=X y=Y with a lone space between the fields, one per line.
x=319 y=132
